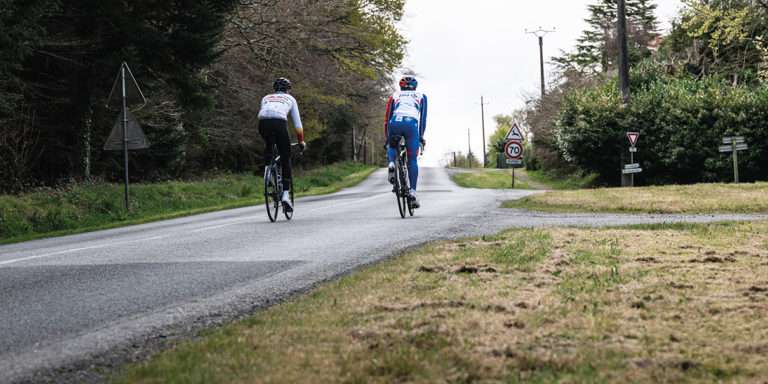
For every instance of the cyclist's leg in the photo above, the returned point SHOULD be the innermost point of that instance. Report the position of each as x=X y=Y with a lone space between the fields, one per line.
x=284 y=147
x=412 y=145
x=266 y=130
x=394 y=130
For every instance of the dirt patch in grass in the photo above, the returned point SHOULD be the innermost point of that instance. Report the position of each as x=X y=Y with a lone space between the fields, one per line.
x=546 y=305
x=700 y=198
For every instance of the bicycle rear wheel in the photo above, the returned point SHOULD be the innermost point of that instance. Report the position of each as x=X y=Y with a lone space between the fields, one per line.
x=289 y=214
x=271 y=198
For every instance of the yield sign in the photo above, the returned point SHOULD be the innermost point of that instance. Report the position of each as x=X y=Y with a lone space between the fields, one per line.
x=633 y=136
x=515 y=133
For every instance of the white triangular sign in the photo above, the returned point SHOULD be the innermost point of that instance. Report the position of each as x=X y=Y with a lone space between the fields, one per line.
x=515 y=133
x=633 y=136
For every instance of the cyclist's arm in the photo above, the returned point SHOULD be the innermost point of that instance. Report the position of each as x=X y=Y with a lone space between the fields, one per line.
x=296 y=117
x=423 y=120
x=390 y=110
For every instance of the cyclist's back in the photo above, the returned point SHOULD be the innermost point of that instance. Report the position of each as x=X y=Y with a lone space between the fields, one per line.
x=407 y=117
x=273 y=127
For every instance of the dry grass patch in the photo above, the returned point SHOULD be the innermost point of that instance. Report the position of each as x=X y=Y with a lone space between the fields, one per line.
x=679 y=303
x=700 y=198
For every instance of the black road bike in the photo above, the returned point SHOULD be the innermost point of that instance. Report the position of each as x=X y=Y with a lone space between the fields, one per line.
x=401 y=186
x=273 y=188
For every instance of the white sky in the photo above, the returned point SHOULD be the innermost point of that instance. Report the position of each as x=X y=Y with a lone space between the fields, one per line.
x=462 y=49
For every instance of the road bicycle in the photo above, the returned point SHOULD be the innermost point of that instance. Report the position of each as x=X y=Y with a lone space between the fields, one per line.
x=401 y=186
x=273 y=188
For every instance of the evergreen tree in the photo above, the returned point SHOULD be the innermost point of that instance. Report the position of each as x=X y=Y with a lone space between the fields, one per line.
x=69 y=73
x=597 y=50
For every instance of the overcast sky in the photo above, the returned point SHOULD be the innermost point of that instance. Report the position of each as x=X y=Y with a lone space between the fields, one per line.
x=462 y=49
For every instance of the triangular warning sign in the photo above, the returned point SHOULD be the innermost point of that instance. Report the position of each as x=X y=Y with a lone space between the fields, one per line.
x=633 y=136
x=133 y=94
x=514 y=133
x=135 y=136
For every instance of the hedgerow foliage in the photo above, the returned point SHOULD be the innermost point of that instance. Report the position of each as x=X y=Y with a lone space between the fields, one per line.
x=682 y=121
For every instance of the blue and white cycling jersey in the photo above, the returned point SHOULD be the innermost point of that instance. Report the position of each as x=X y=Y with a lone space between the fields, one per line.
x=407 y=105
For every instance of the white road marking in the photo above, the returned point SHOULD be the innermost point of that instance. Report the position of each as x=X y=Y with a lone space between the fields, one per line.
x=73 y=250
x=203 y=229
x=240 y=221
x=233 y=222
x=345 y=204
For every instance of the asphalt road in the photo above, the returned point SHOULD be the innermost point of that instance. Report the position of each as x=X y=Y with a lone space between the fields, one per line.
x=71 y=303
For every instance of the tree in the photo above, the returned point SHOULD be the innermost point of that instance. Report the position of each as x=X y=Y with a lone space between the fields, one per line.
x=503 y=124
x=596 y=50
x=723 y=38
x=340 y=75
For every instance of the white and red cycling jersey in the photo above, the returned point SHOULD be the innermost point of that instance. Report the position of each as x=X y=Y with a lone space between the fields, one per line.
x=278 y=106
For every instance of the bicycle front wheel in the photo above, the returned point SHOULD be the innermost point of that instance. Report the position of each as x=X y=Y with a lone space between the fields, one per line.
x=401 y=202
x=271 y=198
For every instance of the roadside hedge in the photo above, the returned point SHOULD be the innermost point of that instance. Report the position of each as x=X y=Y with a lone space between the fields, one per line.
x=682 y=122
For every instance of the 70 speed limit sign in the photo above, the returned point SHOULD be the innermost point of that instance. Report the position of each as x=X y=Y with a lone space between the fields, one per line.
x=513 y=150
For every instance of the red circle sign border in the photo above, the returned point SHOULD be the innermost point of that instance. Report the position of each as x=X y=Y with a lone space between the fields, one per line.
x=509 y=144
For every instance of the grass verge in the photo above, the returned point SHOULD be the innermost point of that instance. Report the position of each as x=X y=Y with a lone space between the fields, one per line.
x=699 y=198
x=633 y=304
x=561 y=182
x=524 y=179
x=93 y=206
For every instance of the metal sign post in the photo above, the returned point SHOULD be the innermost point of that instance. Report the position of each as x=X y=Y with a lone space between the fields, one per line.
x=130 y=93
x=632 y=168
x=734 y=144
x=513 y=150
x=125 y=134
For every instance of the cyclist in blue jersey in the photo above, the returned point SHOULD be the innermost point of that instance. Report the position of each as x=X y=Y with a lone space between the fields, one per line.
x=407 y=117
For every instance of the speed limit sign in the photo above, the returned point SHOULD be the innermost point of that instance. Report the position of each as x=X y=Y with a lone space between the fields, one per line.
x=513 y=150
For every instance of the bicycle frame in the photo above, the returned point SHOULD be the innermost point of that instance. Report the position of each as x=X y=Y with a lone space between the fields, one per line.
x=275 y=168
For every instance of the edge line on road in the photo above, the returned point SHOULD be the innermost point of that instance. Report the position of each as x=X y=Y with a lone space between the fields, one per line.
x=73 y=250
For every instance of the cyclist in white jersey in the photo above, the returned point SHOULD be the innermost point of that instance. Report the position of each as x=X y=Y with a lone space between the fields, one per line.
x=273 y=127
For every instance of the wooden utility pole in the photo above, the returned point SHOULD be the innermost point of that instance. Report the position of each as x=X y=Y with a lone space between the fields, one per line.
x=623 y=50
x=540 y=33
x=469 y=147
x=482 y=116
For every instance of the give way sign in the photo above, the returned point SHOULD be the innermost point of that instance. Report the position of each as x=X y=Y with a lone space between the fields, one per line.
x=633 y=136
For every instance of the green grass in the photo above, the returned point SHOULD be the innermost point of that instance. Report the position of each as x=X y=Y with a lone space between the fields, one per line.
x=91 y=206
x=562 y=182
x=550 y=305
x=524 y=179
x=671 y=199
x=490 y=179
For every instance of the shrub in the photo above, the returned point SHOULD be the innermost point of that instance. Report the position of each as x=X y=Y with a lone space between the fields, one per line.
x=682 y=122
